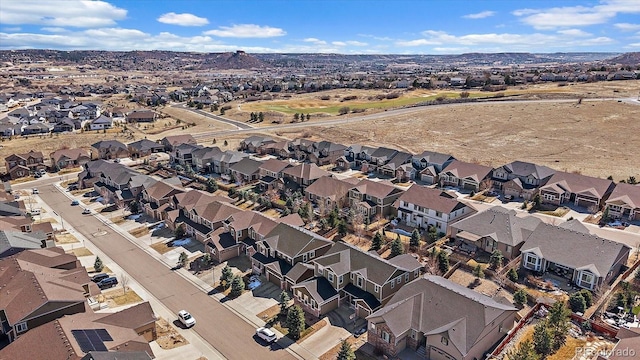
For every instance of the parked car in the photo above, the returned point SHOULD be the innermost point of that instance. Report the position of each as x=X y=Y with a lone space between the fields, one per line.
x=107 y=283
x=35 y=211
x=37 y=175
x=186 y=319
x=75 y=202
x=35 y=191
x=99 y=277
x=266 y=334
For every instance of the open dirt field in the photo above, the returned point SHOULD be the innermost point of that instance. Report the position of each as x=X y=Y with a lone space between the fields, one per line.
x=595 y=138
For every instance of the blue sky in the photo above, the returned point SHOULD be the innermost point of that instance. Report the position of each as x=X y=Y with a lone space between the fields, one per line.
x=323 y=26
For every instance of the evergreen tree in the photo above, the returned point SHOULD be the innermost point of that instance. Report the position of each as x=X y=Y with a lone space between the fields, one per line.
x=520 y=297
x=260 y=116
x=443 y=262
x=237 y=285
x=588 y=297
x=396 y=247
x=478 y=272
x=513 y=274
x=525 y=351
x=415 y=238
x=558 y=324
x=542 y=339
x=97 y=265
x=496 y=259
x=346 y=352
x=295 y=321
x=182 y=259
x=577 y=303
x=284 y=301
x=376 y=243
x=226 y=276
x=342 y=228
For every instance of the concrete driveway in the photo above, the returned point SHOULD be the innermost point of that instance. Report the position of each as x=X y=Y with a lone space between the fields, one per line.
x=260 y=299
x=324 y=339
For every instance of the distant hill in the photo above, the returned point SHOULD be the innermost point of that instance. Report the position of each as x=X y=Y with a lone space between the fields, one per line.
x=236 y=60
x=632 y=58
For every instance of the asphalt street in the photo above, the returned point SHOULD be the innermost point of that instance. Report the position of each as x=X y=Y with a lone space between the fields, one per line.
x=223 y=329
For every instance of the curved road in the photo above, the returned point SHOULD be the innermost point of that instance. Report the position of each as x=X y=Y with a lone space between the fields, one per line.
x=238 y=124
x=217 y=325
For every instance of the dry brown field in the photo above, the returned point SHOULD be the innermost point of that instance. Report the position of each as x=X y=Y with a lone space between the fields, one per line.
x=598 y=138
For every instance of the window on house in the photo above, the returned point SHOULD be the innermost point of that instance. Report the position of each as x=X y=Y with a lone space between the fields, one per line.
x=386 y=337
x=21 y=327
x=438 y=214
x=299 y=294
x=393 y=283
x=444 y=340
x=341 y=279
x=330 y=276
x=312 y=254
x=376 y=289
x=406 y=277
x=359 y=281
x=416 y=273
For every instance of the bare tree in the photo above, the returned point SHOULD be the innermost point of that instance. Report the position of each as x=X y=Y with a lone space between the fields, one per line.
x=124 y=280
x=358 y=220
x=486 y=184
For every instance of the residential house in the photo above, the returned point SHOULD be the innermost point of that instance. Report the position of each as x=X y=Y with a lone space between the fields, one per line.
x=355 y=155
x=90 y=336
x=185 y=202
x=553 y=248
x=143 y=148
x=329 y=192
x=110 y=149
x=138 y=116
x=379 y=157
x=21 y=165
x=223 y=161
x=579 y=189
x=13 y=242
x=41 y=279
x=66 y=158
x=101 y=123
x=423 y=207
x=496 y=228
x=183 y=154
x=253 y=143
x=302 y=175
x=624 y=202
x=270 y=172
x=156 y=197
x=113 y=184
x=245 y=170
x=36 y=128
x=171 y=142
x=374 y=198
x=391 y=167
x=521 y=179
x=284 y=247
x=465 y=175
x=440 y=320
x=326 y=152
x=429 y=164
x=201 y=219
x=202 y=158
x=239 y=231
x=346 y=275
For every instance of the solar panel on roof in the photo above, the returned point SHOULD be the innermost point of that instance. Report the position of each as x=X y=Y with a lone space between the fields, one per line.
x=104 y=335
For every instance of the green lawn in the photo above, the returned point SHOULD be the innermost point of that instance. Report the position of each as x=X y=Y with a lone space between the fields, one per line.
x=382 y=104
x=636 y=310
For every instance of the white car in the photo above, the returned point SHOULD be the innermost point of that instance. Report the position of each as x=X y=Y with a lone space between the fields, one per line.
x=266 y=334
x=186 y=319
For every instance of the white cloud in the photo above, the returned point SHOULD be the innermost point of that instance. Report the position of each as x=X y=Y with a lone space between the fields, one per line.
x=349 y=43
x=480 y=15
x=493 y=42
x=575 y=16
x=184 y=19
x=634 y=45
x=627 y=26
x=246 y=31
x=315 y=41
x=54 y=29
x=74 y=13
x=574 y=32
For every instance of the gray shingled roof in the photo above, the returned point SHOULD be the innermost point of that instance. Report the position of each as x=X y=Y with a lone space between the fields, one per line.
x=20 y=240
x=626 y=193
x=293 y=241
x=578 y=183
x=559 y=245
x=246 y=166
x=344 y=258
x=435 y=305
x=500 y=224
x=463 y=170
x=521 y=168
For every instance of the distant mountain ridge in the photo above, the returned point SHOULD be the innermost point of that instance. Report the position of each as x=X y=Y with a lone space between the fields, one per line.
x=171 y=60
